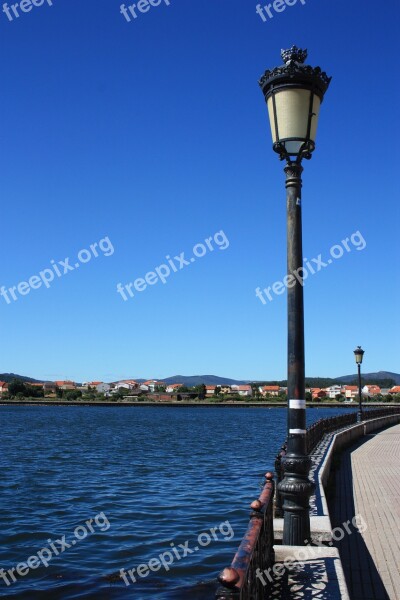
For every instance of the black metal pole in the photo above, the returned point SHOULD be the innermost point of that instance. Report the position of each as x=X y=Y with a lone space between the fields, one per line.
x=360 y=412
x=295 y=488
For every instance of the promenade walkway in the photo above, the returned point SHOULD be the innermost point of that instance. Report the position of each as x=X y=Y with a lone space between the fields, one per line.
x=368 y=483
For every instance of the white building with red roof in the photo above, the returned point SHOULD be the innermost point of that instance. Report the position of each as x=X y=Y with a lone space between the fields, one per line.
x=172 y=387
x=371 y=390
x=350 y=391
x=269 y=390
x=395 y=390
x=242 y=390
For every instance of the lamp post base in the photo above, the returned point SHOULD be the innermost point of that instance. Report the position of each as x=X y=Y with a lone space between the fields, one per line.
x=296 y=490
x=359 y=417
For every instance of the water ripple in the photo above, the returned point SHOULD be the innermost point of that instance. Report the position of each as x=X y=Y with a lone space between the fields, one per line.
x=161 y=476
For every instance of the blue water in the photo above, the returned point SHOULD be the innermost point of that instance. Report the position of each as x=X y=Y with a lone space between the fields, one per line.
x=151 y=477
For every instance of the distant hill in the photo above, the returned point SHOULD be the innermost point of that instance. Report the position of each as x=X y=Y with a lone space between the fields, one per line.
x=372 y=377
x=199 y=379
x=192 y=380
x=310 y=381
x=313 y=382
x=7 y=377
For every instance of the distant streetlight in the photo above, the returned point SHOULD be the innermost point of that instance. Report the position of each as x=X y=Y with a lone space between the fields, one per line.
x=359 y=353
x=294 y=93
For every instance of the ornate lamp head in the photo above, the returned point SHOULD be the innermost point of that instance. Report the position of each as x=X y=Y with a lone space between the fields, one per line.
x=359 y=353
x=294 y=93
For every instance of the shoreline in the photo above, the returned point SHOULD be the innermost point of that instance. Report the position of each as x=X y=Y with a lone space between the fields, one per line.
x=189 y=404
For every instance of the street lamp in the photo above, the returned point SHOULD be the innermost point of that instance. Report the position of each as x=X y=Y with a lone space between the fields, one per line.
x=294 y=93
x=359 y=353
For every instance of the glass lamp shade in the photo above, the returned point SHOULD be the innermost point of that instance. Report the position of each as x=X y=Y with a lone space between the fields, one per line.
x=359 y=353
x=293 y=114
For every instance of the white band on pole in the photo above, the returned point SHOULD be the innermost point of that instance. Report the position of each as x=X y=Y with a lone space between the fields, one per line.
x=298 y=431
x=297 y=404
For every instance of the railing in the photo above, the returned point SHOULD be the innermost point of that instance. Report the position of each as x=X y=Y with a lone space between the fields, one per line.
x=375 y=413
x=256 y=551
x=316 y=432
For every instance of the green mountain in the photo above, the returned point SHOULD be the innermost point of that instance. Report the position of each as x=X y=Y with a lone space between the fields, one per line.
x=192 y=380
x=373 y=377
x=7 y=377
x=385 y=378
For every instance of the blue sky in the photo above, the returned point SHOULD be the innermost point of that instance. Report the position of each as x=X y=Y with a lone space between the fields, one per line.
x=154 y=134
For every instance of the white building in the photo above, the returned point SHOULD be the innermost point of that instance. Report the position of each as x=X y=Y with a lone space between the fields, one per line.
x=127 y=385
x=333 y=391
x=152 y=384
x=102 y=388
x=173 y=387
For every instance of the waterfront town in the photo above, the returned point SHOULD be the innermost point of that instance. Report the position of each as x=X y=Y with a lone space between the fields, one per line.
x=160 y=391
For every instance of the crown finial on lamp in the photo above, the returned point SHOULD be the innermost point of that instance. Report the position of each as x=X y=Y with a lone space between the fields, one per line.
x=294 y=54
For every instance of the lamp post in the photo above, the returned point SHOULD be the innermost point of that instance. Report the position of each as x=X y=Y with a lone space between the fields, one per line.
x=359 y=353
x=294 y=93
